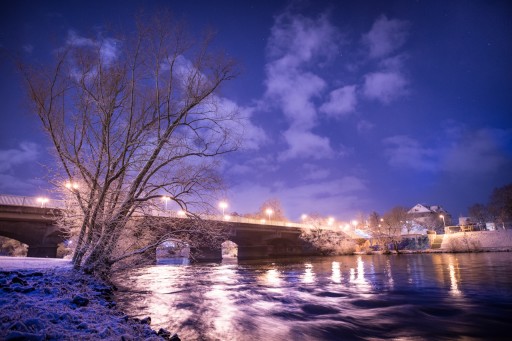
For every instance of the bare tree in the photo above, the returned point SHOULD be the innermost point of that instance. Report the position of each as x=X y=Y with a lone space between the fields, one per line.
x=133 y=120
x=479 y=214
x=500 y=205
x=329 y=241
x=270 y=208
x=389 y=228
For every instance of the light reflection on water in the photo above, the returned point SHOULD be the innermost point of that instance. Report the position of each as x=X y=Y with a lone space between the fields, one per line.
x=421 y=297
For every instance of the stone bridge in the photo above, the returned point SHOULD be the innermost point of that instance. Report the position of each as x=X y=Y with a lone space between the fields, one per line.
x=33 y=222
x=34 y=226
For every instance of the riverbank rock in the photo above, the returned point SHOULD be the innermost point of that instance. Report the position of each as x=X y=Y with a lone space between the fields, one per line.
x=63 y=304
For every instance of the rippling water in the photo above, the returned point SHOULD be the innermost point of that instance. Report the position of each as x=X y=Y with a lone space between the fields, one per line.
x=367 y=297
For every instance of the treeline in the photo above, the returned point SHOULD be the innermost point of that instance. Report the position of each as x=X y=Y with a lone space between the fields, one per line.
x=497 y=210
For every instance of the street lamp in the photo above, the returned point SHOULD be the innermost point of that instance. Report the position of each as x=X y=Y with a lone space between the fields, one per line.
x=304 y=217
x=71 y=185
x=330 y=221
x=181 y=213
x=354 y=222
x=43 y=201
x=444 y=222
x=223 y=205
x=165 y=199
x=269 y=212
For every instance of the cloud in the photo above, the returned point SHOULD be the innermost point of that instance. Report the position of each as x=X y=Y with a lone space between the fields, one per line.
x=15 y=161
x=386 y=36
x=339 y=197
x=28 y=48
x=314 y=172
x=296 y=45
x=251 y=136
x=481 y=151
x=108 y=47
x=27 y=152
x=403 y=151
x=302 y=39
x=293 y=92
x=384 y=86
x=364 y=126
x=341 y=101
x=305 y=144
x=255 y=165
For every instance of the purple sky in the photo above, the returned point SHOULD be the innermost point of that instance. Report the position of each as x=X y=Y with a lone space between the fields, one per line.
x=353 y=105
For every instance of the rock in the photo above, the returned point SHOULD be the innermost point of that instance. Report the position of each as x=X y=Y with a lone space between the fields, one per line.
x=82 y=325
x=164 y=333
x=19 y=326
x=146 y=320
x=35 y=324
x=16 y=279
x=175 y=337
x=80 y=301
x=24 y=290
x=22 y=336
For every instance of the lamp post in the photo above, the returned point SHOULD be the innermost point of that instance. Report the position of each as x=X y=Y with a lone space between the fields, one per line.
x=223 y=205
x=71 y=185
x=165 y=200
x=43 y=201
x=269 y=212
x=444 y=222
x=354 y=222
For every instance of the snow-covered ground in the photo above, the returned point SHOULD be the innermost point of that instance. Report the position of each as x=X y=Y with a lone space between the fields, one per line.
x=44 y=299
x=486 y=240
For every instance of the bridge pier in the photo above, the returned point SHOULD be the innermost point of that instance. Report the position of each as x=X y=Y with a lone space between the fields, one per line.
x=42 y=251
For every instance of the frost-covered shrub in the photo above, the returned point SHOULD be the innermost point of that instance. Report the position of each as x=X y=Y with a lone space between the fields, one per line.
x=420 y=243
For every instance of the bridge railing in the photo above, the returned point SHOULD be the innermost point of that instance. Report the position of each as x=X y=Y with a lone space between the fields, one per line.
x=15 y=200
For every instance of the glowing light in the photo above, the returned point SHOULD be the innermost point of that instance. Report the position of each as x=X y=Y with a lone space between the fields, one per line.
x=181 y=213
x=227 y=217
x=269 y=212
x=223 y=205
x=42 y=201
x=165 y=199
x=71 y=185
x=309 y=275
x=330 y=221
x=454 y=286
x=336 y=272
x=304 y=217
x=442 y=217
x=354 y=222
x=272 y=277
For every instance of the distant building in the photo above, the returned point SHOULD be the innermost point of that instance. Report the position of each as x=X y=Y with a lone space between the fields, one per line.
x=430 y=216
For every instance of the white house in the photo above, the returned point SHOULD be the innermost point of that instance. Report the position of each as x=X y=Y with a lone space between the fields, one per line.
x=425 y=214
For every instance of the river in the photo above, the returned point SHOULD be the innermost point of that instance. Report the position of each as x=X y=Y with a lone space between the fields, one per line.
x=360 y=297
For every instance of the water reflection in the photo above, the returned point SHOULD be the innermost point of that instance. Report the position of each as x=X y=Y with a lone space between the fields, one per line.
x=349 y=297
x=309 y=275
x=454 y=287
x=336 y=272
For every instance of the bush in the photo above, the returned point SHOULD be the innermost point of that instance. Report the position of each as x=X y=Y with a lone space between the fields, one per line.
x=420 y=243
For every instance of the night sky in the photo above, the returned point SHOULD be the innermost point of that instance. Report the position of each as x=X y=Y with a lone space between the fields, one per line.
x=354 y=106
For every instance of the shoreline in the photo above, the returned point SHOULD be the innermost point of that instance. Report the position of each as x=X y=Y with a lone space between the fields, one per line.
x=45 y=299
x=59 y=303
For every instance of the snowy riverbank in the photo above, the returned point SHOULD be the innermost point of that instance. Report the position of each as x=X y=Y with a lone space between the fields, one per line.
x=43 y=300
